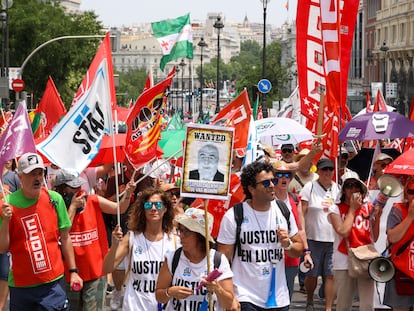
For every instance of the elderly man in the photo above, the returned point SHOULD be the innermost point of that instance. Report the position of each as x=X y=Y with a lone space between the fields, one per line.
x=208 y=159
x=33 y=221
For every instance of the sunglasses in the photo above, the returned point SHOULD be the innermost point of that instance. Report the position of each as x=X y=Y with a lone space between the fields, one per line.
x=287 y=175
x=344 y=156
x=327 y=169
x=183 y=231
x=351 y=185
x=410 y=191
x=266 y=182
x=175 y=193
x=287 y=150
x=158 y=205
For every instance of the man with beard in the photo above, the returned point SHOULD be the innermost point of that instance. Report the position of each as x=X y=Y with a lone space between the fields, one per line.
x=208 y=159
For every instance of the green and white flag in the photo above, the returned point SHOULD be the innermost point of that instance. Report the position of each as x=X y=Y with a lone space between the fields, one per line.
x=175 y=37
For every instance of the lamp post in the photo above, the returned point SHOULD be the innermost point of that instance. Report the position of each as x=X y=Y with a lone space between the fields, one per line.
x=182 y=65
x=264 y=106
x=202 y=44
x=384 y=48
x=218 y=25
x=5 y=62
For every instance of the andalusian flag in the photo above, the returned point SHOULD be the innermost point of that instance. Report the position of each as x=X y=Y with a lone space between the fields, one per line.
x=175 y=37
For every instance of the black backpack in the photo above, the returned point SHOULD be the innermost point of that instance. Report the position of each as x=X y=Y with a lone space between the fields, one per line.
x=238 y=217
x=177 y=254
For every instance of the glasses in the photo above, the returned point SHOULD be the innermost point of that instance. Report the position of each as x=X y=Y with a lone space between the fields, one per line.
x=175 y=193
x=327 y=169
x=266 y=182
x=149 y=205
x=182 y=231
x=287 y=150
x=410 y=191
x=351 y=185
x=287 y=175
x=344 y=156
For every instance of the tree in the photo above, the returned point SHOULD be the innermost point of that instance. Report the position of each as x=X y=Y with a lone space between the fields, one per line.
x=34 y=22
x=131 y=84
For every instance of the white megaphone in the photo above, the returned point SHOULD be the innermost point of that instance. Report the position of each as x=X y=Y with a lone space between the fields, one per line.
x=381 y=269
x=389 y=186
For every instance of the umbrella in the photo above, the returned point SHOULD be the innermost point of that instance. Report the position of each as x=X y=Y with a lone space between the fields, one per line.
x=364 y=110
x=404 y=164
x=361 y=163
x=106 y=154
x=377 y=125
x=278 y=131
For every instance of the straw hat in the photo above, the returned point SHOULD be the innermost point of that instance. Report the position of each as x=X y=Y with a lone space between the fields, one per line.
x=193 y=220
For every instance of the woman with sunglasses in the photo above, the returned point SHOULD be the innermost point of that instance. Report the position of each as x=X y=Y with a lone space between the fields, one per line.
x=400 y=234
x=149 y=238
x=355 y=225
x=284 y=176
x=179 y=286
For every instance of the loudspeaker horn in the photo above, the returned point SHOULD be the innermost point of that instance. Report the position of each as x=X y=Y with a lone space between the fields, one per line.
x=381 y=269
x=389 y=186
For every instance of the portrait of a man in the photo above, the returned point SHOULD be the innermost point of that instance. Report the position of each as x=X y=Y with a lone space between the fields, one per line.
x=208 y=161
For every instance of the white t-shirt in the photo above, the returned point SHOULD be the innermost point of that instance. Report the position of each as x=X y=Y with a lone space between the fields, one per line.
x=189 y=274
x=319 y=200
x=260 y=247
x=147 y=258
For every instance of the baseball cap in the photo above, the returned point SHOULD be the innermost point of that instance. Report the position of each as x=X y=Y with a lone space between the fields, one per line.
x=324 y=163
x=64 y=177
x=287 y=146
x=29 y=162
x=193 y=220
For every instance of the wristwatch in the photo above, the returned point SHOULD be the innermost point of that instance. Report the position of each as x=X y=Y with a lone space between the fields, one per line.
x=73 y=270
x=290 y=245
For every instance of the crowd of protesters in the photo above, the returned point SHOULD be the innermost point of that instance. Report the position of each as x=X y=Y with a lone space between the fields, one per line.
x=63 y=245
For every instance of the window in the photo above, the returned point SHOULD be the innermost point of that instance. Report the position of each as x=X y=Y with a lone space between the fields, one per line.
x=402 y=32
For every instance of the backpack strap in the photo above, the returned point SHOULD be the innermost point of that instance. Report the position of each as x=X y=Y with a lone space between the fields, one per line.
x=238 y=217
x=294 y=197
x=175 y=260
x=217 y=259
x=285 y=211
x=298 y=180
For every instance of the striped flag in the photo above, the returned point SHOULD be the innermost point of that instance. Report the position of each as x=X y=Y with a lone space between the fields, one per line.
x=175 y=37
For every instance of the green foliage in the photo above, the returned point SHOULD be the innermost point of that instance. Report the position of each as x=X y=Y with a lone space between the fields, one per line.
x=131 y=84
x=34 y=22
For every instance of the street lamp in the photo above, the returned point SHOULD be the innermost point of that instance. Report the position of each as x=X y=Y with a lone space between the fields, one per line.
x=264 y=106
x=202 y=44
x=5 y=61
x=384 y=48
x=218 y=25
x=182 y=65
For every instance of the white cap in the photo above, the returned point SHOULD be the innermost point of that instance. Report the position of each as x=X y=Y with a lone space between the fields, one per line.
x=29 y=162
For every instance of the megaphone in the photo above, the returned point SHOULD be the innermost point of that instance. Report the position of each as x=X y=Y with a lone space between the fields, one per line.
x=381 y=269
x=389 y=186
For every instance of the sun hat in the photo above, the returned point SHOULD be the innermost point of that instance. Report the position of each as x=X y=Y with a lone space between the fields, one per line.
x=193 y=220
x=354 y=176
x=29 y=162
x=301 y=154
x=383 y=156
x=64 y=177
x=282 y=166
x=169 y=187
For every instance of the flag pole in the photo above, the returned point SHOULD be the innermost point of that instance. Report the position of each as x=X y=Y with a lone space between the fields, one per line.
x=207 y=234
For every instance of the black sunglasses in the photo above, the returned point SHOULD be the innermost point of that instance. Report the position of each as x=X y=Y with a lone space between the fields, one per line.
x=280 y=175
x=410 y=191
x=327 y=169
x=266 y=182
x=287 y=150
x=351 y=185
x=176 y=193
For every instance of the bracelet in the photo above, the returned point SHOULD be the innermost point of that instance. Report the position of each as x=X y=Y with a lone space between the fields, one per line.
x=289 y=247
x=166 y=292
x=307 y=251
x=73 y=270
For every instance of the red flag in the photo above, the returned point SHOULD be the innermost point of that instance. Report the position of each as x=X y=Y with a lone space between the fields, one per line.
x=237 y=114
x=149 y=83
x=144 y=125
x=380 y=104
x=324 y=41
x=411 y=114
x=50 y=107
x=368 y=100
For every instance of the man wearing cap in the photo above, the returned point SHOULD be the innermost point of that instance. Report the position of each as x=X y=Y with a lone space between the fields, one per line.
x=258 y=261
x=317 y=196
x=287 y=152
x=33 y=221
x=88 y=234
x=381 y=160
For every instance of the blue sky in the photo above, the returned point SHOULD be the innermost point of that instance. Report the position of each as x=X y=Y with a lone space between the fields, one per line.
x=127 y=12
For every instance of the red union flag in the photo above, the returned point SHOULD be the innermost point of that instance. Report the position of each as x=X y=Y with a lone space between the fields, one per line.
x=325 y=31
x=144 y=125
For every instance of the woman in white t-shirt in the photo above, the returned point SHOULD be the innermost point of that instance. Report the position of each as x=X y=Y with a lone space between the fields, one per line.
x=180 y=288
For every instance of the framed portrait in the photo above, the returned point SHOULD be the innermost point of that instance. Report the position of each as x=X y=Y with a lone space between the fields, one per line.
x=207 y=161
